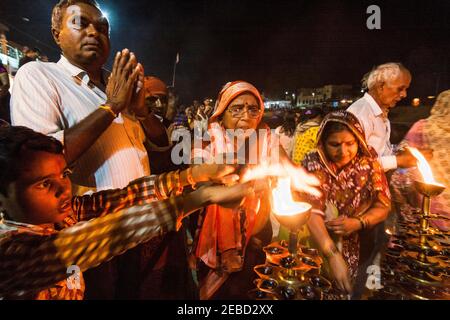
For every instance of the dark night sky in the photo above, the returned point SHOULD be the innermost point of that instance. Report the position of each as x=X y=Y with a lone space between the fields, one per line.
x=277 y=45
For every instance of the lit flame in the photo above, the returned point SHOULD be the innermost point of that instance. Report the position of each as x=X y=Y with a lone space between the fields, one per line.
x=423 y=167
x=302 y=181
x=282 y=202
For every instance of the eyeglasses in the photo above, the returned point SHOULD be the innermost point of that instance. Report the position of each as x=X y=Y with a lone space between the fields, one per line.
x=156 y=101
x=238 y=111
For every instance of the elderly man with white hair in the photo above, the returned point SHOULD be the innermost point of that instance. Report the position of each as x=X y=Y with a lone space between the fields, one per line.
x=387 y=85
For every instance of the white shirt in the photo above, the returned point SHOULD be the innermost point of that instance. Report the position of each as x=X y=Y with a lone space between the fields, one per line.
x=377 y=129
x=48 y=98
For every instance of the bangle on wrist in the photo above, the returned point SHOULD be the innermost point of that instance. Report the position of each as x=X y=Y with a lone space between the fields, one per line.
x=363 y=223
x=109 y=109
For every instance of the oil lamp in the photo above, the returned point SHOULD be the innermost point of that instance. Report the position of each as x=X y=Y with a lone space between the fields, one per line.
x=416 y=261
x=290 y=271
x=292 y=215
x=427 y=188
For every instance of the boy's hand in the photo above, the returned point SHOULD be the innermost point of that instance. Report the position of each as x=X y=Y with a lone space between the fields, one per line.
x=220 y=173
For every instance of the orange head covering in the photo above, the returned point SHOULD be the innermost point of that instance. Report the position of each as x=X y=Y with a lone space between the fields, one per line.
x=154 y=87
x=230 y=91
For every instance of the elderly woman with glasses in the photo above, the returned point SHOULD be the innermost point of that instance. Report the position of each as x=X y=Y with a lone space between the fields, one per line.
x=224 y=236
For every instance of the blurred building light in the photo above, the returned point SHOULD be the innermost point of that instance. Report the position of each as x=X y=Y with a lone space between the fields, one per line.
x=416 y=102
x=431 y=97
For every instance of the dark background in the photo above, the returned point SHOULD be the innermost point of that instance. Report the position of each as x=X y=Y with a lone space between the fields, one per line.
x=277 y=45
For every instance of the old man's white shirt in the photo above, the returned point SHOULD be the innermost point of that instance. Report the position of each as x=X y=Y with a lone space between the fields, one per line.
x=377 y=129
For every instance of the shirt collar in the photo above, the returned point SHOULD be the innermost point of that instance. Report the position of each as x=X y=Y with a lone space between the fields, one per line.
x=77 y=71
x=73 y=69
x=373 y=105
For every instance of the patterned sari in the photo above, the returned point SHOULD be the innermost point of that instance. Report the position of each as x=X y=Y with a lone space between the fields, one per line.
x=353 y=189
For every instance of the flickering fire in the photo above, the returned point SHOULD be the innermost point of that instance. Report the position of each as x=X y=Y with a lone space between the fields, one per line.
x=302 y=181
x=282 y=201
x=423 y=167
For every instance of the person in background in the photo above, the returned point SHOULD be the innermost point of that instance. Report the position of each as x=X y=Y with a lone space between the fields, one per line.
x=207 y=102
x=286 y=132
x=303 y=142
x=298 y=117
x=172 y=104
x=30 y=55
x=156 y=100
x=4 y=94
x=387 y=84
x=432 y=133
x=305 y=137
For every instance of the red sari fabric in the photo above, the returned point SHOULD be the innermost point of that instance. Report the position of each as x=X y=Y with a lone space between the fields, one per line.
x=222 y=229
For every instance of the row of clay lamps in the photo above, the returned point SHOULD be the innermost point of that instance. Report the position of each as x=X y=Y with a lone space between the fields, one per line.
x=416 y=261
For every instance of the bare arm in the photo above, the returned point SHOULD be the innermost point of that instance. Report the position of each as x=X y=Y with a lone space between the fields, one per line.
x=320 y=234
x=376 y=214
x=87 y=244
x=79 y=138
x=338 y=266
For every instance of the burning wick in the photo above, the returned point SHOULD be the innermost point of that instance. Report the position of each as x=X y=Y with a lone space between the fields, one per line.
x=283 y=203
x=424 y=167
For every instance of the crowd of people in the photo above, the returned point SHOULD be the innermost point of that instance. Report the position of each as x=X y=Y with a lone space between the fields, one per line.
x=88 y=178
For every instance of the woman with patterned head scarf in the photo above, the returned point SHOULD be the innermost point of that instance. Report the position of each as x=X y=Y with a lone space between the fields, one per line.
x=355 y=195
